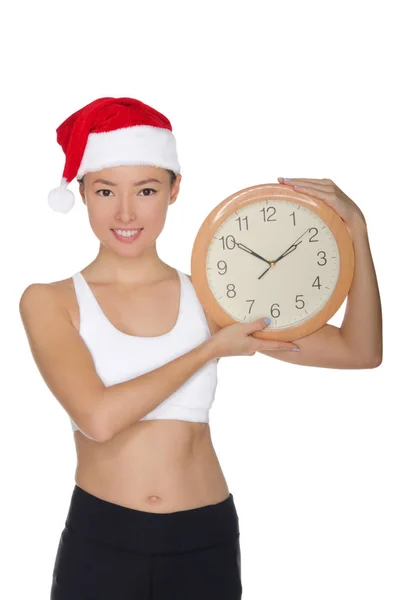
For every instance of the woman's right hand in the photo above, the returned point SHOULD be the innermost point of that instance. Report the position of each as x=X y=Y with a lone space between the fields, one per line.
x=235 y=340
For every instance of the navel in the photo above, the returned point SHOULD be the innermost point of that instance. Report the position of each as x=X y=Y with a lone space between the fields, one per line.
x=154 y=498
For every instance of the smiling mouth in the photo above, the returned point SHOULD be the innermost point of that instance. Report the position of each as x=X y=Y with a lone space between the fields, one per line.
x=127 y=237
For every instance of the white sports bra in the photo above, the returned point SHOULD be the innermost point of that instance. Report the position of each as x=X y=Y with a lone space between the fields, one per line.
x=119 y=356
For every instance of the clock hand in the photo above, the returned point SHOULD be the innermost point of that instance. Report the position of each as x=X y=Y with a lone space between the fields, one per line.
x=268 y=269
x=243 y=247
x=291 y=248
x=288 y=251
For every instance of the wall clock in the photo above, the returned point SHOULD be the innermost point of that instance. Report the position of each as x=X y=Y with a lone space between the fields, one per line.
x=270 y=250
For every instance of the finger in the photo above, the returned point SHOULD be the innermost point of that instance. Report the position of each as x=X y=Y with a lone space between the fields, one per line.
x=282 y=348
x=312 y=191
x=322 y=181
x=260 y=323
x=297 y=180
x=269 y=345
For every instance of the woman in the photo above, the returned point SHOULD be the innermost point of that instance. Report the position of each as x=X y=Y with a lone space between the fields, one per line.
x=128 y=351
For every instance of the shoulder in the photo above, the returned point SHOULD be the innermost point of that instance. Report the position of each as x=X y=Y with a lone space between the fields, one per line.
x=37 y=295
x=38 y=300
x=213 y=326
x=36 y=291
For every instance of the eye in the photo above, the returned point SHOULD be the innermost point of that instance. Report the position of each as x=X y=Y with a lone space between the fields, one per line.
x=104 y=190
x=148 y=189
x=110 y=192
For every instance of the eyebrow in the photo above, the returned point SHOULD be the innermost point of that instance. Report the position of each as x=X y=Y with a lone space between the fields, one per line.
x=151 y=179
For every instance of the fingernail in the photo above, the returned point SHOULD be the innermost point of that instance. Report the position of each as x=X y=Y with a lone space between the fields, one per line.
x=267 y=321
x=288 y=348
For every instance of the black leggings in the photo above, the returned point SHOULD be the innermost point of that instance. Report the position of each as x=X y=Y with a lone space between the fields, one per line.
x=111 y=552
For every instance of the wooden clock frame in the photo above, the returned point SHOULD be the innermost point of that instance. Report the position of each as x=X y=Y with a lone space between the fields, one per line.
x=257 y=193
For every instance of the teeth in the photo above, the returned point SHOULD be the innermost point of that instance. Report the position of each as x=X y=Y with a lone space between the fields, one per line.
x=126 y=233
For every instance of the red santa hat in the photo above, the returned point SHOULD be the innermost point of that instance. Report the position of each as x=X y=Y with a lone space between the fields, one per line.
x=111 y=132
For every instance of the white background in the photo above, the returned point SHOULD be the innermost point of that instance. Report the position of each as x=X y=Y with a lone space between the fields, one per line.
x=254 y=91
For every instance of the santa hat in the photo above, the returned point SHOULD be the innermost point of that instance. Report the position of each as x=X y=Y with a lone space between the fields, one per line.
x=111 y=132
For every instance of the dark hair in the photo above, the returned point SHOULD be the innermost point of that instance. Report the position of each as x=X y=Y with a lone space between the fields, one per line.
x=172 y=178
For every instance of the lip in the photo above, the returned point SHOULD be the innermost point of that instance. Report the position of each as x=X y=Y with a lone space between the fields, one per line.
x=126 y=240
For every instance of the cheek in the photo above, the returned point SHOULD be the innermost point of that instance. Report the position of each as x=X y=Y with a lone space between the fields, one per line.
x=151 y=214
x=100 y=214
x=158 y=211
x=100 y=223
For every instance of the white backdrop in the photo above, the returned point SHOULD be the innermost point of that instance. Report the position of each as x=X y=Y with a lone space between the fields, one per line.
x=254 y=91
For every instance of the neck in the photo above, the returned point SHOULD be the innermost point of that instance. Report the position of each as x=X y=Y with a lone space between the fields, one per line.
x=109 y=267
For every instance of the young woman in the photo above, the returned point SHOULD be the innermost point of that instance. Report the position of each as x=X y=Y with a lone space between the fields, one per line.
x=128 y=351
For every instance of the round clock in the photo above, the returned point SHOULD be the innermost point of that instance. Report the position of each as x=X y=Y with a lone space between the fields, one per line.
x=269 y=250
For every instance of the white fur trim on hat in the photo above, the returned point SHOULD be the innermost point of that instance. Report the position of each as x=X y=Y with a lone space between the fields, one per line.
x=61 y=199
x=139 y=145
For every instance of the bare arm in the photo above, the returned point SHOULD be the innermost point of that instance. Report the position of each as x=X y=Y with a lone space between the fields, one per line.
x=66 y=365
x=126 y=403
x=357 y=344
x=362 y=324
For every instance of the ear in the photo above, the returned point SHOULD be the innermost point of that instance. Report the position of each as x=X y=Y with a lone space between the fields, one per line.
x=175 y=189
x=82 y=192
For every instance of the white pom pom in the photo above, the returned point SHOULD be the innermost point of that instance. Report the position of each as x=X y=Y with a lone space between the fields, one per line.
x=61 y=199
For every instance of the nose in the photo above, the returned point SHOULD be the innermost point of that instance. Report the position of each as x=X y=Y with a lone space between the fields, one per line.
x=126 y=210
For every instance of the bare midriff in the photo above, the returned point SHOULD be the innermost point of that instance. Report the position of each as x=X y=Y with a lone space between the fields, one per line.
x=155 y=466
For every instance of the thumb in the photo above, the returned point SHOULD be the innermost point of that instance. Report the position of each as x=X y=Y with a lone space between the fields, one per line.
x=258 y=324
x=268 y=344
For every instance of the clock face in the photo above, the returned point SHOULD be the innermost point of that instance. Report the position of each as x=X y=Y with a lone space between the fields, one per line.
x=291 y=289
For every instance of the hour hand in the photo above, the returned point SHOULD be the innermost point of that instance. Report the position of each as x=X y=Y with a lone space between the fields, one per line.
x=243 y=247
x=292 y=247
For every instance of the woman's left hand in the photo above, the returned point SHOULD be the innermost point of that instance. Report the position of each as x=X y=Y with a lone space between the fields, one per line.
x=327 y=190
